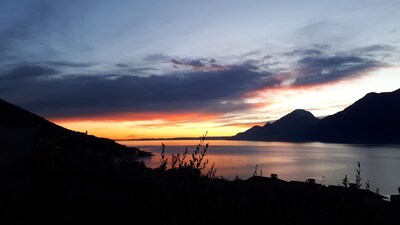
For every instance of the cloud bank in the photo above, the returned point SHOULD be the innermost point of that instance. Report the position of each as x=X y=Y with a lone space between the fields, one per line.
x=204 y=86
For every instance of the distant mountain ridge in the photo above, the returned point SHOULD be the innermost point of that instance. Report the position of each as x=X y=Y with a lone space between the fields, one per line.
x=291 y=127
x=375 y=118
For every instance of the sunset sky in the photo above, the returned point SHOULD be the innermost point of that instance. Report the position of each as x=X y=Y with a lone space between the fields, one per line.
x=173 y=68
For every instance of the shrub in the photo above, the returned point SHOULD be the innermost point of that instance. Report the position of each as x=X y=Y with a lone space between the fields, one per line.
x=367 y=185
x=358 y=175
x=196 y=163
x=345 y=181
x=163 y=159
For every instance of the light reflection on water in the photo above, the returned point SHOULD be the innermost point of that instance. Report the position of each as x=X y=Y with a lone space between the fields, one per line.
x=327 y=163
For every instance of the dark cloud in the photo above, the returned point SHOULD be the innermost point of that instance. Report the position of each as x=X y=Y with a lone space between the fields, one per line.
x=324 y=69
x=27 y=73
x=141 y=69
x=205 y=88
x=329 y=62
x=193 y=63
x=313 y=50
x=319 y=64
x=307 y=52
x=377 y=48
x=266 y=57
x=197 y=64
x=123 y=65
x=68 y=64
x=135 y=70
x=80 y=95
x=15 y=82
x=375 y=51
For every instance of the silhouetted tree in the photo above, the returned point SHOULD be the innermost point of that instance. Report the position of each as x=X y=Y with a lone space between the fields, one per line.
x=237 y=177
x=345 y=181
x=358 y=175
x=367 y=186
x=255 y=173
x=211 y=173
x=195 y=163
x=163 y=159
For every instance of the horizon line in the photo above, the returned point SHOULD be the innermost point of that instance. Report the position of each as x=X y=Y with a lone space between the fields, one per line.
x=176 y=138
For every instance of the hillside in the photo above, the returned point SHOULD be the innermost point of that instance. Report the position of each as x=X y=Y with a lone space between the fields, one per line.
x=372 y=119
x=294 y=126
x=24 y=136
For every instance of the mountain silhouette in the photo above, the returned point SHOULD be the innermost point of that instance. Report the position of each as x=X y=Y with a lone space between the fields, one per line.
x=295 y=126
x=374 y=119
x=12 y=116
x=25 y=137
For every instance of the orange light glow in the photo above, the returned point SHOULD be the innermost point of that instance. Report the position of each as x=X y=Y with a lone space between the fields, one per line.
x=151 y=125
x=142 y=116
x=267 y=104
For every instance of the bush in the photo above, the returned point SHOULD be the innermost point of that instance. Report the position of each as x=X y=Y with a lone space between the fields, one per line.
x=196 y=163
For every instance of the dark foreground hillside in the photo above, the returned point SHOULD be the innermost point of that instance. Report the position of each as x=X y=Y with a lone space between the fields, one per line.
x=51 y=175
x=86 y=189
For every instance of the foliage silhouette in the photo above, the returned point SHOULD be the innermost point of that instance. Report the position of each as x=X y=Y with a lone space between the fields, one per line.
x=358 y=176
x=367 y=186
x=345 y=181
x=163 y=159
x=196 y=163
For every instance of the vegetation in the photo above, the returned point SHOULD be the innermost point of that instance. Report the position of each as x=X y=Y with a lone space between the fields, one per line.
x=68 y=184
x=258 y=172
x=358 y=176
x=195 y=164
x=367 y=185
x=163 y=160
x=345 y=181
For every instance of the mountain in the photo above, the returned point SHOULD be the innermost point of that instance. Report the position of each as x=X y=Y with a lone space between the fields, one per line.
x=12 y=116
x=375 y=118
x=295 y=126
x=26 y=137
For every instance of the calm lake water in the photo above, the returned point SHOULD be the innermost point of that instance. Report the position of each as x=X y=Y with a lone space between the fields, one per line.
x=327 y=163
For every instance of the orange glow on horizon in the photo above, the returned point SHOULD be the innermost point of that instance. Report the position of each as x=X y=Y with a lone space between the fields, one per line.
x=152 y=125
x=267 y=104
x=130 y=130
x=141 y=116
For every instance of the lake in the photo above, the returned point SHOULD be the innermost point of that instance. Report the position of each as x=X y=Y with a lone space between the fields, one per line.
x=327 y=163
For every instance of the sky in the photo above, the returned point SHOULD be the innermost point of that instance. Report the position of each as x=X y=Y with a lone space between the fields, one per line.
x=176 y=68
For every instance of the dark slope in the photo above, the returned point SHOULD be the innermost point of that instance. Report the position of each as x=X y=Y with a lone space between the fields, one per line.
x=47 y=170
x=375 y=118
x=24 y=133
x=254 y=133
x=294 y=126
x=12 y=116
